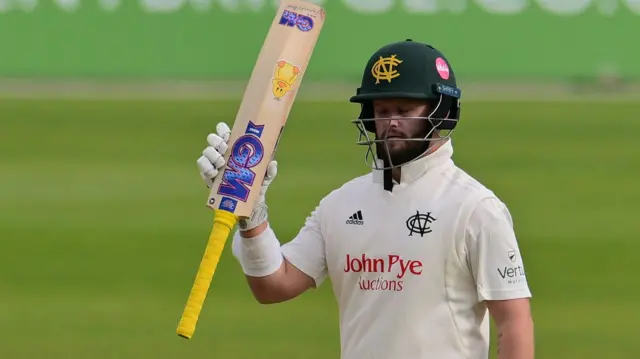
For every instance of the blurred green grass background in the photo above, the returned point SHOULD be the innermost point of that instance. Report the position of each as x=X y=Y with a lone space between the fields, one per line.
x=103 y=225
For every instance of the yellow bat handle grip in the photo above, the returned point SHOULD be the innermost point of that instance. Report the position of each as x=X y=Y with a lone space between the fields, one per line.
x=223 y=222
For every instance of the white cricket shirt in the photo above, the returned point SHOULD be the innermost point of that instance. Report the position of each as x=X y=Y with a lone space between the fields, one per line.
x=411 y=268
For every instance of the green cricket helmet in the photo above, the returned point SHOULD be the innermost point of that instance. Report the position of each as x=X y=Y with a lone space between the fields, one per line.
x=408 y=70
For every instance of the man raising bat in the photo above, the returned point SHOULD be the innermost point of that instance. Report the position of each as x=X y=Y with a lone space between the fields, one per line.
x=419 y=253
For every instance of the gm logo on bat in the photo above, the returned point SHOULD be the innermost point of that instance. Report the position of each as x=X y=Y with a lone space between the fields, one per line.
x=247 y=152
x=291 y=19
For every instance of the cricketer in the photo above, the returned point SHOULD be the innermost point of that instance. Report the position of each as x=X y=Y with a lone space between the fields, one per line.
x=420 y=254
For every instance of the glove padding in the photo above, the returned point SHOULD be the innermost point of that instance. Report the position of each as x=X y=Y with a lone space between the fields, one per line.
x=212 y=160
x=259 y=213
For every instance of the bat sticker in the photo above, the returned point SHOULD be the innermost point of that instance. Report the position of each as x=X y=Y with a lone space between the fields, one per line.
x=284 y=77
x=247 y=152
x=291 y=19
x=228 y=204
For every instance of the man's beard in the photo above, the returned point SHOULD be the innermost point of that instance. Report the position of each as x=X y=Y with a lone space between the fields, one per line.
x=408 y=150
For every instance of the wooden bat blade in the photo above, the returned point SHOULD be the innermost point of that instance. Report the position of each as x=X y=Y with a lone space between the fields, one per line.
x=265 y=106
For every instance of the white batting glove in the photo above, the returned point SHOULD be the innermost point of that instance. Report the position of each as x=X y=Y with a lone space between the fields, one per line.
x=212 y=160
x=259 y=213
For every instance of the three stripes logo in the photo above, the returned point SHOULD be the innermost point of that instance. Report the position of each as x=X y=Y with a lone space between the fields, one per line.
x=356 y=219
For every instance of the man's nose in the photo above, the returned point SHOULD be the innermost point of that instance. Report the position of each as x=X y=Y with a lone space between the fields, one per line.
x=394 y=120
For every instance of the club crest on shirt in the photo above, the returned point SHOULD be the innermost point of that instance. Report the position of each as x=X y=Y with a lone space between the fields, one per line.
x=420 y=223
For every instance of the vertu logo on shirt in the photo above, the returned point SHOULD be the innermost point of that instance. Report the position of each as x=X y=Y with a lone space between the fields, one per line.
x=512 y=275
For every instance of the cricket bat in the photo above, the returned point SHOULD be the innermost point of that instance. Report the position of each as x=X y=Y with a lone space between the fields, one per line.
x=264 y=109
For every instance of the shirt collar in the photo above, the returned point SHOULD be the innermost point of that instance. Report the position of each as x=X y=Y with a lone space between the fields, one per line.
x=414 y=170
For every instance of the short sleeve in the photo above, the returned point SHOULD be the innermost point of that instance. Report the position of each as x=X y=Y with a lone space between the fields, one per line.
x=493 y=253
x=307 y=250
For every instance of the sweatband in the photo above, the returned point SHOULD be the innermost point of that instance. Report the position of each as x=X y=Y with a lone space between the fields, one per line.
x=259 y=256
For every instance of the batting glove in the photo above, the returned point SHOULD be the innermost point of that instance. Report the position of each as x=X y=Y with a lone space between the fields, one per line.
x=212 y=160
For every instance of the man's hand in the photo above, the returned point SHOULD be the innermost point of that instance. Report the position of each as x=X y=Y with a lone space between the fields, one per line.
x=515 y=328
x=211 y=163
x=212 y=158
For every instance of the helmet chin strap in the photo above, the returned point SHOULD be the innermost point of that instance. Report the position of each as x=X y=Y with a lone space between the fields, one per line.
x=387 y=175
x=387 y=183
x=387 y=163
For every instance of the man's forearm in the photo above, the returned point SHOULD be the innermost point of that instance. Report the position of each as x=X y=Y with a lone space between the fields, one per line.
x=271 y=278
x=515 y=340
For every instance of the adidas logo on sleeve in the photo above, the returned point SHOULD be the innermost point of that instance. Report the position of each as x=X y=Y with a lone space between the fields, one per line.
x=356 y=219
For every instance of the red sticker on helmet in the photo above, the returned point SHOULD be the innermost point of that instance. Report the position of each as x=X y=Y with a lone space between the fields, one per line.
x=443 y=68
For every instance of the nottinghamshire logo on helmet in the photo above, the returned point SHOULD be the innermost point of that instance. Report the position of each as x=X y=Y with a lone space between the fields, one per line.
x=385 y=69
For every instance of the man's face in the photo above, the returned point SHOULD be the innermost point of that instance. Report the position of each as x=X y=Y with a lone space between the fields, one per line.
x=393 y=129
